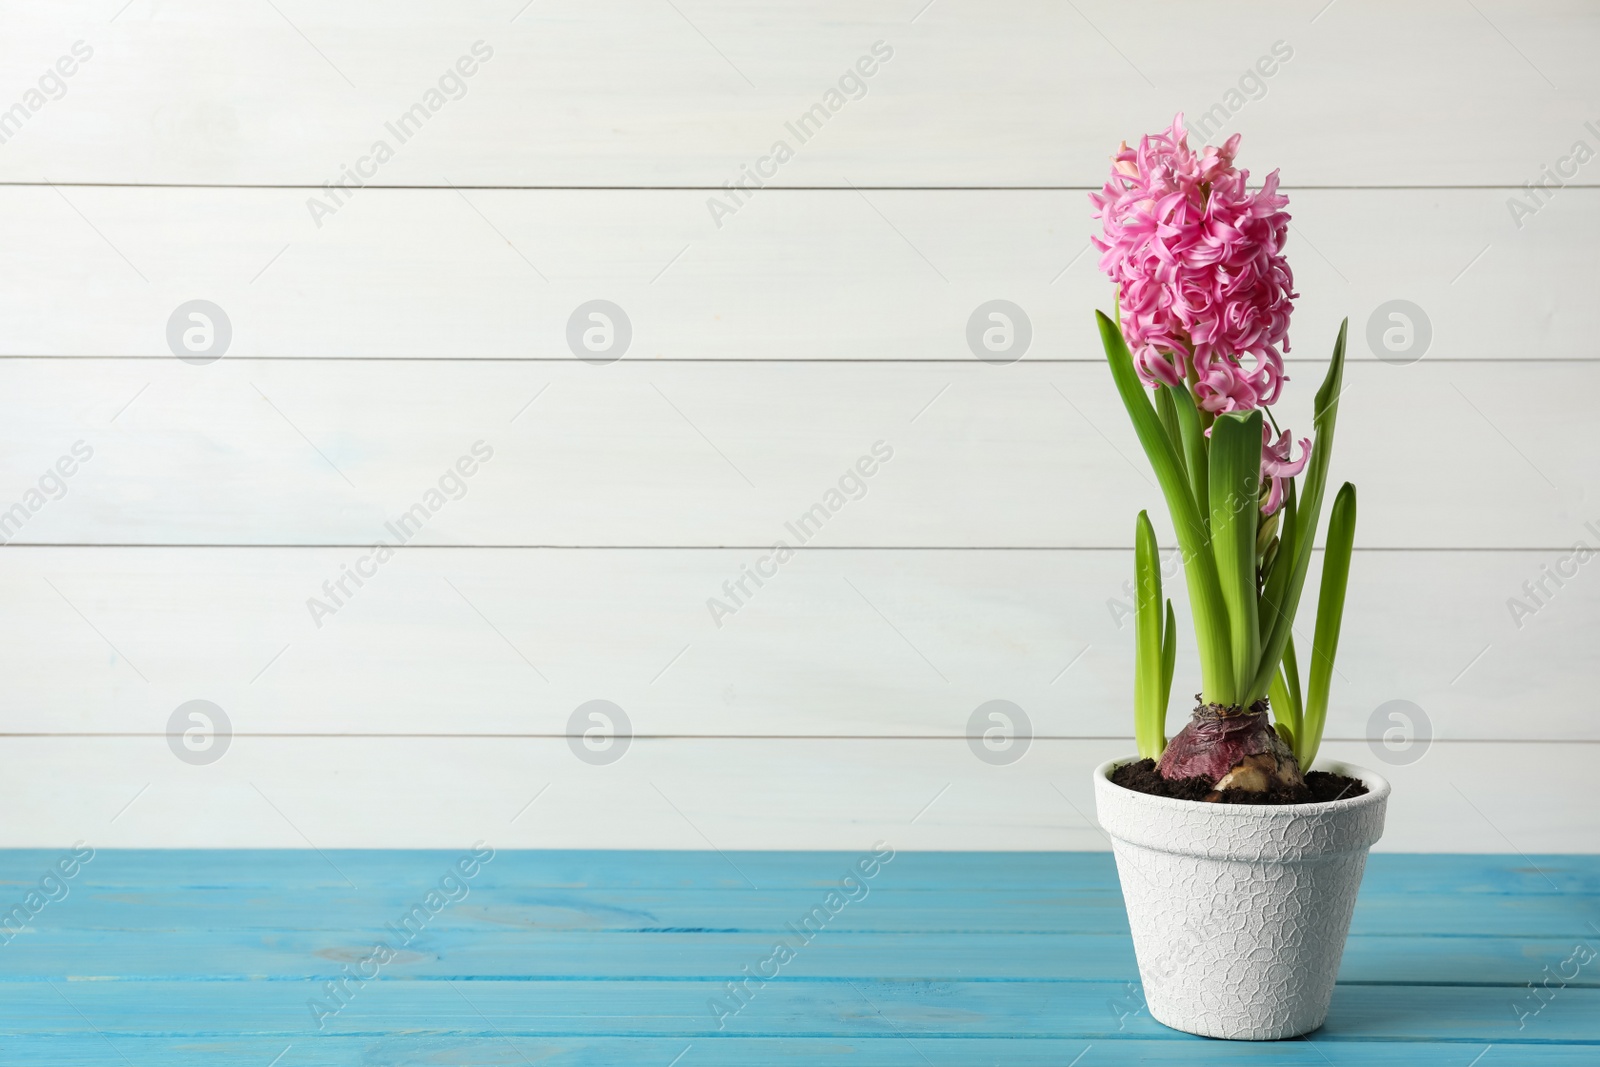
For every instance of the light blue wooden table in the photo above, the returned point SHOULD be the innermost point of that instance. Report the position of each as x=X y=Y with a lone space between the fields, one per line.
x=220 y=957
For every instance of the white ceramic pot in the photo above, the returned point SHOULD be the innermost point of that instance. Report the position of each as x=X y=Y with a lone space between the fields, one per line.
x=1239 y=911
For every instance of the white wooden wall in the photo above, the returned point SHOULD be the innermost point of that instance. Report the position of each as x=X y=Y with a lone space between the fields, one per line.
x=768 y=353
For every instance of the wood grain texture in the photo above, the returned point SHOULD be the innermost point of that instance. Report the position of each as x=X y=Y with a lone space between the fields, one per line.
x=73 y=1050
x=772 y=346
x=725 y=793
x=823 y=1009
x=840 y=643
x=797 y=275
x=296 y=870
x=347 y=920
x=515 y=953
x=630 y=92
x=542 y=955
x=691 y=455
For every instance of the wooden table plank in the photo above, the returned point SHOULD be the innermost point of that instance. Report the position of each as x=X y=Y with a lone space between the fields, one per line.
x=550 y=955
x=1017 y=958
x=781 y=1008
x=76 y=1050
x=284 y=869
x=363 y=911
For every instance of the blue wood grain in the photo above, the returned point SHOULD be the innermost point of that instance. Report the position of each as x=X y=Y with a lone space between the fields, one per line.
x=431 y=1050
x=887 y=909
x=82 y=955
x=282 y=869
x=585 y=958
x=795 y=1008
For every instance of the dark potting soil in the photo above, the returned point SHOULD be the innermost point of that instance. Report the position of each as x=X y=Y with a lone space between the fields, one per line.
x=1320 y=787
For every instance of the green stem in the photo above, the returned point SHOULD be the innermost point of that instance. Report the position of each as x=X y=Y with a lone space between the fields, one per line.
x=1235 y=493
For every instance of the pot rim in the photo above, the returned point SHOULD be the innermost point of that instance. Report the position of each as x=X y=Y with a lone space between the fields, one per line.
x=1377 y=792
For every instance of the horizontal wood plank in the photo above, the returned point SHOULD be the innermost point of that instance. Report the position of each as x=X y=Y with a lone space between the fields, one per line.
x=741 y=455
x=629 y=92
x=504 y=951
x=1387 y=873
x=840 y=643
x=798 y=275
x=73 y=1050
x=348 y=918
x=783 y=1008
x=196 y=954
x=725 y=794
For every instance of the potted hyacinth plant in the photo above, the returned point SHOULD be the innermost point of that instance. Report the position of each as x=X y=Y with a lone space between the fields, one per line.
x=1239 y=862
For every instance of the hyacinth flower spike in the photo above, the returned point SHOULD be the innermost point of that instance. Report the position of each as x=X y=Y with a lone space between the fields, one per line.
x=1204 y=298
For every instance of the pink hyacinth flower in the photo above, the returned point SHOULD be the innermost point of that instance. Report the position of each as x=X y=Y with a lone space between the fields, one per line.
x=1198 y=261
x=1277 y=467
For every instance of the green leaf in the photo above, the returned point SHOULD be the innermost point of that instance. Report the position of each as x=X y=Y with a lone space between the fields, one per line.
x=1327 y=415
x=1169 y=660
x=1193 y=443
x=1235 y=508
x=1282 y=708
x=1284 y=695
x=1166 y=411
x=1330 y=615
x=1291 y=674
x=1279 y=567
x=1149 y=711
x=1199 y=568
x=1285 y=732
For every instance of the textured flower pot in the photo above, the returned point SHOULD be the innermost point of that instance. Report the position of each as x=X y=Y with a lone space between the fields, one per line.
x=1239 y=911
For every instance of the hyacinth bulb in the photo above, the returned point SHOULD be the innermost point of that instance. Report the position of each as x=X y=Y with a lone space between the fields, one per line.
x=1232 y=748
